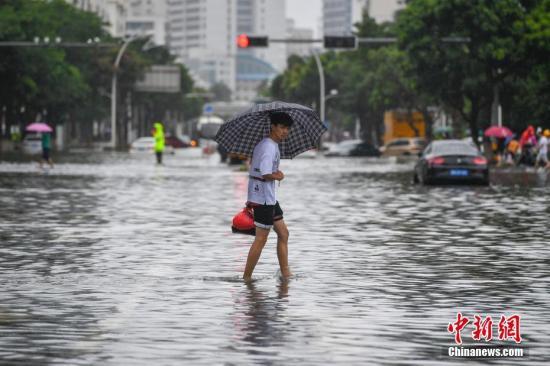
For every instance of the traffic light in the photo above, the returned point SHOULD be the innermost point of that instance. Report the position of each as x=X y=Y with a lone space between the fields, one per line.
x=340 y=42
x=245 y=41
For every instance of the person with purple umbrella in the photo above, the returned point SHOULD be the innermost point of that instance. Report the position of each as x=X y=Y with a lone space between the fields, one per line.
x=45 y=132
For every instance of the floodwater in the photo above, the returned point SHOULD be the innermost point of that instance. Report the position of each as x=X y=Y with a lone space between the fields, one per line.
x=110 y=260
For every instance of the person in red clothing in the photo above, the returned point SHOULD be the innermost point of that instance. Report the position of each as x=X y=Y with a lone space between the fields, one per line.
x=527 y=143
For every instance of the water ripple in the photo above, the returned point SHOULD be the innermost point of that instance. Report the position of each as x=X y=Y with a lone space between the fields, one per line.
x=111 y=260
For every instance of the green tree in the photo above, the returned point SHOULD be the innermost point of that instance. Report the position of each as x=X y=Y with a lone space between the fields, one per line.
x=72 y=84
x=463 y=76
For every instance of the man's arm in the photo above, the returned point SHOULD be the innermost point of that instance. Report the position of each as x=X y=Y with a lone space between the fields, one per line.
x=278 y=175
x=266 y=166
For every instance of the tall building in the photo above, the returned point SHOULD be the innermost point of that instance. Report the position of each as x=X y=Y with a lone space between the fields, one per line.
x=268 y=18
x=256 y=66
x=339 y=16
x=113 y=13
x=299 y=49
x=147 y=17
x=129 y=17
x=384 y=10
x=201 y=33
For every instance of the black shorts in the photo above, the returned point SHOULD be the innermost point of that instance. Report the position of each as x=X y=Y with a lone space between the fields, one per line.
x=266 y=215
x=46 y=154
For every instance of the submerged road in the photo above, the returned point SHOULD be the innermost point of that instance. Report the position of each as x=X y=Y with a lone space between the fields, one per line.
x=108 y=259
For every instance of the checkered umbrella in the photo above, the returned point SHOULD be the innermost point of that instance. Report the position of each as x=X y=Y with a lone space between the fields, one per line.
x=242 y=133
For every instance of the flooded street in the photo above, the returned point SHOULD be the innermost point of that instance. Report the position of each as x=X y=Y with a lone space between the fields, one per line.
x=111 y=260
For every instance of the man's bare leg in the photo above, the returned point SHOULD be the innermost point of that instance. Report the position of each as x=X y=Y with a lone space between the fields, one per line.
x=255 y=252
x=282 y=247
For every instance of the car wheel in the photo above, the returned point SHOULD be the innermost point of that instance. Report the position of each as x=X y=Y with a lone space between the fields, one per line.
x=425 y=180
x=420 y=178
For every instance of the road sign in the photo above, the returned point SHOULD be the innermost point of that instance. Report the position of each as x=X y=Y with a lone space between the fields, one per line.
x=208 y=108
x=160 y=79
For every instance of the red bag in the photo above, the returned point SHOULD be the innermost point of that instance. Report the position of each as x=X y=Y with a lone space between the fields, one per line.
x=243 y=222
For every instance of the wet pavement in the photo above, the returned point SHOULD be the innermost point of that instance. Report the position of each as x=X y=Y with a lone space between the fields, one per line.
x=109 y=260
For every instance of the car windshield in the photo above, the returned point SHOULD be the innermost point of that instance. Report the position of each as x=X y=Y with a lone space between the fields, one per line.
x=346 y=145
x=454 y=148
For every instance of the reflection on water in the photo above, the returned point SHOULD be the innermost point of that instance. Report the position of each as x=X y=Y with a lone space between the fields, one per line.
x=112 y=260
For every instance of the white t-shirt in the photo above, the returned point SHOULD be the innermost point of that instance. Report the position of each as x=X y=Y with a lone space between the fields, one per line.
x=543 y=145
x=265 y=160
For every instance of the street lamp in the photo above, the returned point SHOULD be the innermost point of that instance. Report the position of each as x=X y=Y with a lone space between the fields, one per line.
x=321 y=85
x=114 y=85
x=333 y=93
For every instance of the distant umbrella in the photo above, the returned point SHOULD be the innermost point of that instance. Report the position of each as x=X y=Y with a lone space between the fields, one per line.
x=38 y=127
x=242 y=133
x=498 y=132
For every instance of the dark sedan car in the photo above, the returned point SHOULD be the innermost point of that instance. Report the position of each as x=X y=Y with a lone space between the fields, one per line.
x=175 y=142
x=452 y=161
x=353 y=148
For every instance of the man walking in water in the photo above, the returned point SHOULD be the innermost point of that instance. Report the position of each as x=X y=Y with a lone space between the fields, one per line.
x=264 y=171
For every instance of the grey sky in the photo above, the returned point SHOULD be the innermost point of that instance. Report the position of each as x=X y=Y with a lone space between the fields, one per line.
x=305 y=13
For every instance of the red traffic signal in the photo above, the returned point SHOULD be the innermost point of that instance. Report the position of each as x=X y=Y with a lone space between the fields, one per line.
x=244 y=41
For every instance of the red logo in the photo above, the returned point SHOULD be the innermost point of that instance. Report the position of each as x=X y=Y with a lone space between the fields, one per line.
x=457 y=327
x=483 y=329
x=508 y=327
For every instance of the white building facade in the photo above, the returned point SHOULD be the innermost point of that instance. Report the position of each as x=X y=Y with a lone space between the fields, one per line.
x=147 y=17
x=113 y=13
x=257 y=66
x=298 y=49
x=384 y=10
x=201 y=33
x=339 y=16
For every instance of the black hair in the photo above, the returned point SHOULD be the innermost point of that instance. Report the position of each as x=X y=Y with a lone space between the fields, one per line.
x=280 y=118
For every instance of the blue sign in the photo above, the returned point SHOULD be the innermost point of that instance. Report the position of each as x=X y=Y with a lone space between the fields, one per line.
x=208 y=108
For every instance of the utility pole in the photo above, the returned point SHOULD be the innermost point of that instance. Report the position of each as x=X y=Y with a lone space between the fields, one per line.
x=114 y=81
x=321 y=85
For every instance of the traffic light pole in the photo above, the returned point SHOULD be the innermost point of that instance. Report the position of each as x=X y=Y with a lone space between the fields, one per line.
x=114 y=91
x=363 y=40
x=331 y=42
x=114 y=86
x=321 y=84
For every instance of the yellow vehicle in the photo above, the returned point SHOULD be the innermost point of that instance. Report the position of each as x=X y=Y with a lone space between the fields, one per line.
x=401 y=124
x=405 y=146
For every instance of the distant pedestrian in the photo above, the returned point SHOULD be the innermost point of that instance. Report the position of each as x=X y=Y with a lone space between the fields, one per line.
x=46 y=149
x=542 y=156
x=512 y=149
x=264 y=171
x=158 y=134
x=527 y=142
